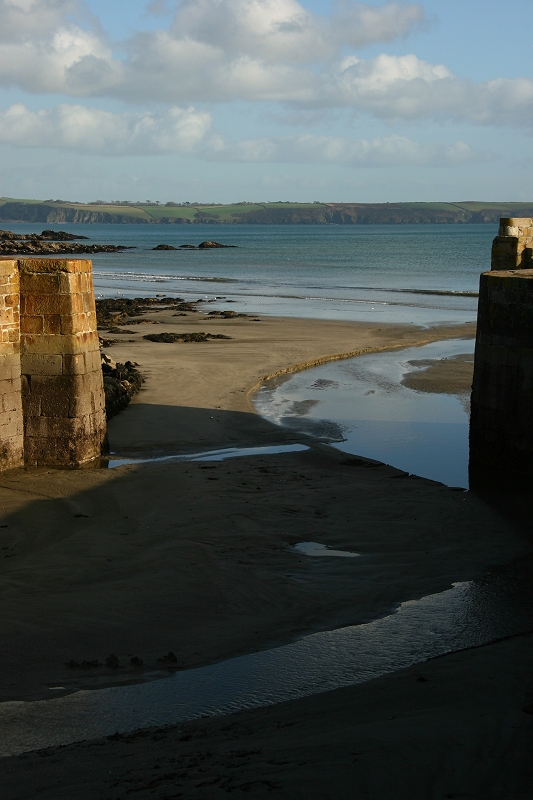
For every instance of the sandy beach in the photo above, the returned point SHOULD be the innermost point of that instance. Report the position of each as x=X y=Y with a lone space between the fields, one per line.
x=193 y=558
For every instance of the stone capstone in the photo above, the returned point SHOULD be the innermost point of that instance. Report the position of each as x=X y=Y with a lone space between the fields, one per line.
x=513 y=246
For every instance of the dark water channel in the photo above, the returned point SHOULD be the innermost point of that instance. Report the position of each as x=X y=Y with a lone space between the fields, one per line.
x=467 y=615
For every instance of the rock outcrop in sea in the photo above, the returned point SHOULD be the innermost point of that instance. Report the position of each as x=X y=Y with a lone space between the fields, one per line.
x=51 y=243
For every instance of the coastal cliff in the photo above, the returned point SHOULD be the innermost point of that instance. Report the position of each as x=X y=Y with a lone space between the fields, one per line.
x=59 y=212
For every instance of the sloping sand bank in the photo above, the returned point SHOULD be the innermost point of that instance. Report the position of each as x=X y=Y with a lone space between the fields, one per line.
x=453 y=727
x=145 y=559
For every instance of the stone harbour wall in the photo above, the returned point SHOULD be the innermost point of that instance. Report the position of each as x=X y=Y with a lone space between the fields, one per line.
x=513 y=247
x=61 y=383
x=501 y=422
x=11 y=427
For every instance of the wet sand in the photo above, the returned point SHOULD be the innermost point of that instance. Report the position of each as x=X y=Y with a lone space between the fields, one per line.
x=453 y=727
x=443 y=376
x=193 y=558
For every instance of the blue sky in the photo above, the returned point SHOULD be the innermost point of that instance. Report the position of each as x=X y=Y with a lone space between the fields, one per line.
x=228 y=100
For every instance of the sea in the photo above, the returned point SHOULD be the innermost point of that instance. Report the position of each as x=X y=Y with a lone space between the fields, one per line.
x=420 y=274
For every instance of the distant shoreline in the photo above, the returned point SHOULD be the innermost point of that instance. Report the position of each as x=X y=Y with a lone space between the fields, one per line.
x=61 y=212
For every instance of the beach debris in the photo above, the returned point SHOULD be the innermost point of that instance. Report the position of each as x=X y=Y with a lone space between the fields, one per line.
x=197 y=336
x=170 y=657
x=84 y=664
x=364 y=462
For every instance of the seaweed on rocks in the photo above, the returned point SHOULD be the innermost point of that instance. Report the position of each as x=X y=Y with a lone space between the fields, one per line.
x=170 y=338
x=51 y=243
x=226 y=314
x=115 y=310
x=121 y=383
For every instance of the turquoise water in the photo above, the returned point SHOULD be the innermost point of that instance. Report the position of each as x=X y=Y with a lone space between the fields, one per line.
x=390 y=273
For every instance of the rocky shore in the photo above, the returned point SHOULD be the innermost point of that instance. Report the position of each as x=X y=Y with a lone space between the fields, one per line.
x=113 y=311
x=121 y=383
x=51 y=243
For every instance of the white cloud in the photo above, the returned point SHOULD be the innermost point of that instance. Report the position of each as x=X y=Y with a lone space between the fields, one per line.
x=387 y=151
x=283 y=30
x=20 y=19
x=256 y=51
x=404 y=87
x=43 y=50
x=90 y=130
x=187 y=130
x=213 y=50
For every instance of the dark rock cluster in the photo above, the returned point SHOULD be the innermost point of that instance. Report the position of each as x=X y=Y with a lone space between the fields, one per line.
x=113 y=311
x=225 y=314
x=208 y=245
x=50 y=243
x=169 y=338
x=47 y=235
x=113 y=662
x=121 y=382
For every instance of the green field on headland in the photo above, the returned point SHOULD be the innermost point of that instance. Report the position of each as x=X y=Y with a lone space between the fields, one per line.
x=59 y=211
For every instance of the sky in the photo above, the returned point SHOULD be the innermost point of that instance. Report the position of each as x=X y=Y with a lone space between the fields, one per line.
x=264 y=100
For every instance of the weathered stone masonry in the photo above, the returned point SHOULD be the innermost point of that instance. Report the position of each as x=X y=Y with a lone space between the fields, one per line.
x=513 y=246
x=60 y=389
x=501 y=423
x=11 y=430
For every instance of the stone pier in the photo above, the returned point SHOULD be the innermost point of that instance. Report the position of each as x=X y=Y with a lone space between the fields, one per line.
x=60 y=375
x=501 y=423
x=11 y=427
x=513 y=246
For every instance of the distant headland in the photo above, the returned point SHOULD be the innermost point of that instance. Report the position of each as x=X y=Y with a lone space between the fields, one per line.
x=281 y=213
